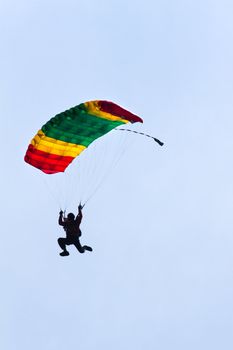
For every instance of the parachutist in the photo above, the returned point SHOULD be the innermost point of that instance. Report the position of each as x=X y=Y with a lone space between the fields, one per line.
x=71 y=225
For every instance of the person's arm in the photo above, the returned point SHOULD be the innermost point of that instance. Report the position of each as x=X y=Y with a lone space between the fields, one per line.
x=60 y=220
x=80 y=215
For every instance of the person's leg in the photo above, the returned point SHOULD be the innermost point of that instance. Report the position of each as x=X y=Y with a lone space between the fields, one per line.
x=78 y=245
x=62 y=244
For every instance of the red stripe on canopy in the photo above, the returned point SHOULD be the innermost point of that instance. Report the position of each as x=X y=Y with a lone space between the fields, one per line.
x=47 y=162
x=112 y=108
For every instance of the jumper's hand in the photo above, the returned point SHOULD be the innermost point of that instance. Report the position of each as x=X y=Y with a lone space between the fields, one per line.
x=80 y=207
x=61 y=212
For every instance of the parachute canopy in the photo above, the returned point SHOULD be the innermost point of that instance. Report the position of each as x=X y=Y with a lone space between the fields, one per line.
x=69 y=133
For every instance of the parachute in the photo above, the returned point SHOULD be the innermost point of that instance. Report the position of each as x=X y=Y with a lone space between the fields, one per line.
x=69 y=133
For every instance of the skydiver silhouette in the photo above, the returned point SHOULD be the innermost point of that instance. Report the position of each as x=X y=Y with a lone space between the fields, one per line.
x=71 y=225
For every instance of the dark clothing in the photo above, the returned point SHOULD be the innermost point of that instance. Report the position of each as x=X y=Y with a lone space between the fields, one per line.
x=71 y=227
x=68 y=241
x=73 y=232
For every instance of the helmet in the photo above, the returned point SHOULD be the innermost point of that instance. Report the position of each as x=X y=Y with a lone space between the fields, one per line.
x=71 y=216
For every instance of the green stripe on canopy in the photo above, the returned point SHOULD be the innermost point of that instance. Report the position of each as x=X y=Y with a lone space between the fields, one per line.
x=77 y=126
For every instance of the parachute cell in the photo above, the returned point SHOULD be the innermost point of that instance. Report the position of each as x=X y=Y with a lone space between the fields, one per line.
x=69 y=133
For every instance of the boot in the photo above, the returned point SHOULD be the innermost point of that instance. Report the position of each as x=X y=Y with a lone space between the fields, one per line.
x=65 y=253
x=86 y=247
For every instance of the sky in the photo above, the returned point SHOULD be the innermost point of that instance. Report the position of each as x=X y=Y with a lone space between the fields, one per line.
x=161 y=272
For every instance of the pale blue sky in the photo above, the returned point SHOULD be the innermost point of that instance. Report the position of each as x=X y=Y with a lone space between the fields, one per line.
x=161 y=273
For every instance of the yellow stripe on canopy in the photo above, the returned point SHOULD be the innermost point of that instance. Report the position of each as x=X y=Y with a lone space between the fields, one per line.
x=53 y=146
